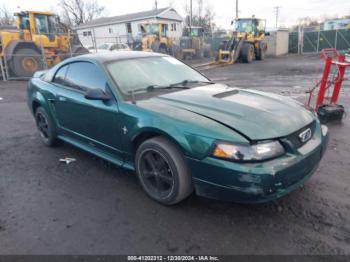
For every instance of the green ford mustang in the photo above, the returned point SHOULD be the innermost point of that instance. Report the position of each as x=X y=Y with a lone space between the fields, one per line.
x=178 y=130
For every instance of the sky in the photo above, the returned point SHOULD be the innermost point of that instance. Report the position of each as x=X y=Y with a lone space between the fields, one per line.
x=289 y=11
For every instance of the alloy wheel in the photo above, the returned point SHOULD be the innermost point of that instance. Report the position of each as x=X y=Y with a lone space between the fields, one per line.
x=43 y=125
x=156 y=173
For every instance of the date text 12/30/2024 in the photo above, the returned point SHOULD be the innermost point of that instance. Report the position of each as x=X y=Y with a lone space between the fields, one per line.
x=173 y=258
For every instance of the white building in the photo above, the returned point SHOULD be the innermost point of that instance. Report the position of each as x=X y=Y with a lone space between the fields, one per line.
x=337 y=24
x=126 y=28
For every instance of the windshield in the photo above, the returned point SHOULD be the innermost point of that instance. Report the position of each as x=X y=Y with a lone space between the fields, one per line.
x=139 y=74
x=152 y=29
x=245 y=26
x=196 y=32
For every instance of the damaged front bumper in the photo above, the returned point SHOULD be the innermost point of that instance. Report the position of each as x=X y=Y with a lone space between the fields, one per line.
x=259 y=182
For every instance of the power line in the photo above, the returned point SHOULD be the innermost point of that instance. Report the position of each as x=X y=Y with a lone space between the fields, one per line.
x=277 y=12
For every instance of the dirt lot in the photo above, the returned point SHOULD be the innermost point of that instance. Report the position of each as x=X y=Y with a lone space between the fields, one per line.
x=92 y=207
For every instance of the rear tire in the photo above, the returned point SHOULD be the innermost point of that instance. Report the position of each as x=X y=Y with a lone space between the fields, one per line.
x=162 y=171
x=46 y=128
x=260 y=55
x=25 y=62
x=247 y=53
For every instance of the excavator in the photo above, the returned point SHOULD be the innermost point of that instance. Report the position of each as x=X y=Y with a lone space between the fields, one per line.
x=246 y=42
x=39 y=40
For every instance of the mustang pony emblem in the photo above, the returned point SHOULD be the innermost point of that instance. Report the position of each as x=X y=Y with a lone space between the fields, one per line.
x=306 y=135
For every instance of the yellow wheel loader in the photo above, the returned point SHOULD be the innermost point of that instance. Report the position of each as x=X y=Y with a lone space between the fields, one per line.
x=192 y=44
x=39 y=40
x=246 y=42
x=155 y=38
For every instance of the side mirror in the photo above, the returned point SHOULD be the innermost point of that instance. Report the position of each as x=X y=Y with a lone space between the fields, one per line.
x=97 y=94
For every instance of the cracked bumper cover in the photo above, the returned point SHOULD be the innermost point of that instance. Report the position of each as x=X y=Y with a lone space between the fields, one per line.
x=258 y=182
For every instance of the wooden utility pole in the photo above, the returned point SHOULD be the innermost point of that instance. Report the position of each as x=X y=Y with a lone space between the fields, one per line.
x=191 y=13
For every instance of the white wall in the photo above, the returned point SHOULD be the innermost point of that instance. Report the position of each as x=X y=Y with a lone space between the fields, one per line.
x=277 y=43
x=119 y=32
x=103 y=34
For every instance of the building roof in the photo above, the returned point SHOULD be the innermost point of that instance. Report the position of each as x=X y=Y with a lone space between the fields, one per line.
x=125 y=18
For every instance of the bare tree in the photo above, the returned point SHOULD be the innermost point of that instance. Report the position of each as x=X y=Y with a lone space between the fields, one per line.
x=203 y=19
x=200 y=7
x=6 y=17
x=76 y=12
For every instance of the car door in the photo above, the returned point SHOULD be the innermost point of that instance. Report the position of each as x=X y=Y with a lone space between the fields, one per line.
x=95 y=123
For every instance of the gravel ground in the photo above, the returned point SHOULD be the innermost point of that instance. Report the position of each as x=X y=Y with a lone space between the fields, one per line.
x=92 y=207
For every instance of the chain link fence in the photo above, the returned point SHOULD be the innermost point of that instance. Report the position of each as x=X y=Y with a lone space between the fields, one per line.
x=51 y=50
x=314 y=41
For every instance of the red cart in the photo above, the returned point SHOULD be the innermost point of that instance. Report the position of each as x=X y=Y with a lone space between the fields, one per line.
x=327 y=105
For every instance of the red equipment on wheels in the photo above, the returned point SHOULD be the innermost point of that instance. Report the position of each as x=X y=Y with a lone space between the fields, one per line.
x=326 y=106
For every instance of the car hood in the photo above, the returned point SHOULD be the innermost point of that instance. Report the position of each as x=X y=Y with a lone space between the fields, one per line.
x=255 y=115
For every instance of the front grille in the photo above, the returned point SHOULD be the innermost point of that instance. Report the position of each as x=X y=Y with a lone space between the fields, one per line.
x=294 y=138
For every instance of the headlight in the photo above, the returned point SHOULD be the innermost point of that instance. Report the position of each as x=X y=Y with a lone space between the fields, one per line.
x=258 y=152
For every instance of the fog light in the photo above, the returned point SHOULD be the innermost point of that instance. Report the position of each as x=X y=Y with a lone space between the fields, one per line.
x=324 y=130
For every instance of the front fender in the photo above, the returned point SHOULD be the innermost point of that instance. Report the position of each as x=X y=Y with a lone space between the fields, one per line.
x=35 y=97
x=138 y=121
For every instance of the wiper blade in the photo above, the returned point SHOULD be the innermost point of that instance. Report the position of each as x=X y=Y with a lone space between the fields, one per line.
x=156 y=87
x=187 y=82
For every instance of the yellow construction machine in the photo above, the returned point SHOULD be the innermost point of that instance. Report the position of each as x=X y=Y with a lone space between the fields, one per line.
x=39 y=40
x=246 y=42
x=155 y=38
x=191 y=42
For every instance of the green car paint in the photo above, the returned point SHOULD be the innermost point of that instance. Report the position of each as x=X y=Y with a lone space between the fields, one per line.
x=194 y=119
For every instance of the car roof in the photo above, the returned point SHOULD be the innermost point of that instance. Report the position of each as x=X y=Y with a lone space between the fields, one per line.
x=115 y=56
x=102 y=58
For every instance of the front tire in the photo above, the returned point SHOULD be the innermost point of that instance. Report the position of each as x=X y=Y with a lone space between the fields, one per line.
x=162 y=171
x=247 y=53
x=46 y=128
x=25 y=62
